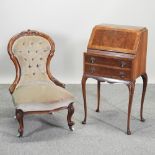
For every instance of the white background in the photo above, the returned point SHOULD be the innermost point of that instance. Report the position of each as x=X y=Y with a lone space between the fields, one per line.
x=69 y=23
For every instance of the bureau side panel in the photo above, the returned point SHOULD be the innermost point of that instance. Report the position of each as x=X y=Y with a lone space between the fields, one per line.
x=139 y=64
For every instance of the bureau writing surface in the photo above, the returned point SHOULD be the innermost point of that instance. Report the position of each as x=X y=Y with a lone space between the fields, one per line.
x=116 y=54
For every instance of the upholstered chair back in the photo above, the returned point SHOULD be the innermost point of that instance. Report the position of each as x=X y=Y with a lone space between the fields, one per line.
x=31 y=52
x=34 y=89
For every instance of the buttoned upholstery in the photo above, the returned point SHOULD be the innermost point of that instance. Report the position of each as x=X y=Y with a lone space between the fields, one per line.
x=32 y=53
x=35 y=91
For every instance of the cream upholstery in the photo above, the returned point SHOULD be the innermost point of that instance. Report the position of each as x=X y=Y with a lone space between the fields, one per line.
x=35 y=91
x=46 y=93
x=32 y=53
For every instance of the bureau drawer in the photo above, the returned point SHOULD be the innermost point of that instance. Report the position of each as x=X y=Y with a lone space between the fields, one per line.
x=101 y=60
x=109 y=72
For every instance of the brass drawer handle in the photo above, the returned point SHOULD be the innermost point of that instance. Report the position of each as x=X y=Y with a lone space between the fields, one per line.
x=92 y=60
x=92 y=70
x=123 y=64
x=122 y=74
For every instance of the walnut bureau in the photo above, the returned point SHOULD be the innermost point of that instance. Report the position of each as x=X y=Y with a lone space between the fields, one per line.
x=116 y=54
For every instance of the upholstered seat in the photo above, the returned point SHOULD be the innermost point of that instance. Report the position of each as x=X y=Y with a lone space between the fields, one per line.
x=34 y=88
x=40 y=96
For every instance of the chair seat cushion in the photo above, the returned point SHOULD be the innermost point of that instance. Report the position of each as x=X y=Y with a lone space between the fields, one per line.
x=43 y=106
x=40 y=95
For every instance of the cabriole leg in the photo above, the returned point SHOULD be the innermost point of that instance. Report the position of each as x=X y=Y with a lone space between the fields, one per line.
x=131 y=87
x=145 y=79
x=84 y=79
x=19 y=117
x=69 y=116
x=98 y=96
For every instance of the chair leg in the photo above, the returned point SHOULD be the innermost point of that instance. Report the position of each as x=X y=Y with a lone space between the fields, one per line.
x=69 y=116
x=131 y=87
x=19 y=117
x=145 y=79
x=98 y=96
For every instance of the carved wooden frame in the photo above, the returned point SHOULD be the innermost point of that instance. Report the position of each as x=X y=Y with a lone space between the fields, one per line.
x=19 y=113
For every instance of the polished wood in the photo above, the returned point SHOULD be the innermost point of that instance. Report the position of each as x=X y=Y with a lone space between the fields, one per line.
x=115 y=38
x=69 y=116
x=19 y=113
x=116 y=54
x=84 y=79
x=19 y=117
x=131 y=87
x=107 y=71
x=98 y=95
x=107 y=61
x=145 y=79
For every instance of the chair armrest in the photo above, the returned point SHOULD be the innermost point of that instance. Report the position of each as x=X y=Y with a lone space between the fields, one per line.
x=12 y=88
x=57 y=82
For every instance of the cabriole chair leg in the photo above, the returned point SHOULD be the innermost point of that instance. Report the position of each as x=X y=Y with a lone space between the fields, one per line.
x=19 y=117
x=69 y=116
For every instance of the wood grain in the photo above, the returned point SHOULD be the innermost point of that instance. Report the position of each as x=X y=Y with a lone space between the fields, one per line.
x=116 y=54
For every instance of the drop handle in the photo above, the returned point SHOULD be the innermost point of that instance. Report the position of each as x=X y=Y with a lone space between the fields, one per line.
x=92 y=60
x=122 y=74
x=123 y=64
x=92 y=69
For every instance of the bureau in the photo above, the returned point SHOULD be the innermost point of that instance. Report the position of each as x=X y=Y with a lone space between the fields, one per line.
x=116 y=54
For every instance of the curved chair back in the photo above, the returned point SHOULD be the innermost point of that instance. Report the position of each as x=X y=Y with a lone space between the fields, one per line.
x=31 y=52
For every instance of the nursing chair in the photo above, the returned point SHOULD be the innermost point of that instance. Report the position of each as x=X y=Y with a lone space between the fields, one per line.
x=35 y=90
